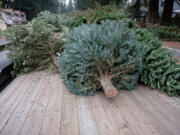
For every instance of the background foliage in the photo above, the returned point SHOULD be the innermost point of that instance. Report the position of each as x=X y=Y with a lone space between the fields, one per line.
x=34 y=7
x=169 y=33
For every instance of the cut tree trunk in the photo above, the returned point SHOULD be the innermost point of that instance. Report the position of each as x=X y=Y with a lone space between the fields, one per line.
x=153 y=12
x=108 y=87
x=167 y=12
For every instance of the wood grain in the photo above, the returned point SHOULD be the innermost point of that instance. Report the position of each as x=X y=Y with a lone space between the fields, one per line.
x=39 y=104
x=23 y=108
x=69 y=115
x=52 y=117
x=35 y=117
x=87 y=121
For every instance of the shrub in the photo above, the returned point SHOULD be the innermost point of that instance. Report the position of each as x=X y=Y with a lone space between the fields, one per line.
x=57 y=20
x=97 y=15
x=170 y=33
x=97 y=56
x=110 y=12
x=76 y=21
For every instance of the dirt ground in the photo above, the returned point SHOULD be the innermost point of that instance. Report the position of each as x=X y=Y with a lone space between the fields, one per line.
x=175 y=45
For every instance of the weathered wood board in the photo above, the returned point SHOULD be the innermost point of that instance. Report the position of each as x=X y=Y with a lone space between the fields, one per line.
x=39 y=104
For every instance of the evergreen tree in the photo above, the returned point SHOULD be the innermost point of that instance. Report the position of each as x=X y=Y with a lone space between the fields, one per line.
x=33 y=46
x=33 y=7
x=1 y=4
x=62 y=6
x=101 y=56
x=81 y=4
x=160 y=68
x=70 y=6
x=84 y=4
x=6 y=3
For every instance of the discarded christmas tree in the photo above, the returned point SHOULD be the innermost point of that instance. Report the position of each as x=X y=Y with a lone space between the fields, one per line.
x=33 y=46
x=160 y=68
x=101 y=56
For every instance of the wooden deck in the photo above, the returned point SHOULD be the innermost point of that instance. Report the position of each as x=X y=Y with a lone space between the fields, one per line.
x=39 y=104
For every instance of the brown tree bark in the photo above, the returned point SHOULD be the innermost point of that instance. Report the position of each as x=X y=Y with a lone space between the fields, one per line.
x=153 y=12
x=167 y=12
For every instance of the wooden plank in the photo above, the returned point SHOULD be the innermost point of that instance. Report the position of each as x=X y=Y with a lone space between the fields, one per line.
x=163 y=106
x=144 y=123
x=7 y=110
x=104 y=121
x=69 y=115
x=154 y=113
x=33 y=106
x=118 y=116
x=6 y=94
x=168 y=113
x=35 y=117
x=52 y=117
x=14 y=125
x=87 y=122
x=132 y=121
x=173 y=102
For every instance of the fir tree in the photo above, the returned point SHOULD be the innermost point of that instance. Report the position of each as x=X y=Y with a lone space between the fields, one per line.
x=160 y=68
x=101 y=56
x=70 y=7
x=63 y=6
x=34 y=46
